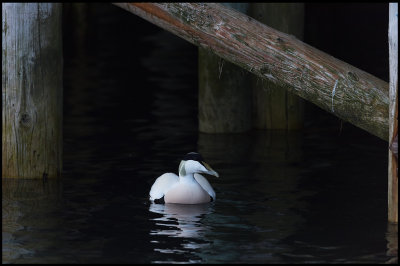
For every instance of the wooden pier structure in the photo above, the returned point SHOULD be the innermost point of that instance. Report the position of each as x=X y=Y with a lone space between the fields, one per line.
x=337 y=87
x=32 y=89
x=32 y=78
x=393 y=184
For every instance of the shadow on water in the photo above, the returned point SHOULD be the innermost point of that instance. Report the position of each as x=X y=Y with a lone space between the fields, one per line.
x=313 y=196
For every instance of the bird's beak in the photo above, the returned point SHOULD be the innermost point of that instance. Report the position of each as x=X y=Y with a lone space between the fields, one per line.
x=209 y=171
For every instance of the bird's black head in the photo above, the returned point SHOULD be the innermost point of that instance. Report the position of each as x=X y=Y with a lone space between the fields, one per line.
x=193 y=156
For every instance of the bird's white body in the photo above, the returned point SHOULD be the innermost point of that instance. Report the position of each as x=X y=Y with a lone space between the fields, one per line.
x=189 y=187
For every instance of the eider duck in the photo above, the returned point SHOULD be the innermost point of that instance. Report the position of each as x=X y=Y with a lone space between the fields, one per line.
x=190 y=187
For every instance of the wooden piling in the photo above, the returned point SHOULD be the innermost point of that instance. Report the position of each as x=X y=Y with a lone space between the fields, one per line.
x=335 y=86
x=32 y=90
x=224 y=93
x=273 y=106
x=393 y=114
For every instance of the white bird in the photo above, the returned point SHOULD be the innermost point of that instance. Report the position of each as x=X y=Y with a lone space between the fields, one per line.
x=189 y=187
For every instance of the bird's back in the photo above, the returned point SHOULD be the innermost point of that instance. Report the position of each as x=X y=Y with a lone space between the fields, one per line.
x=162 y=185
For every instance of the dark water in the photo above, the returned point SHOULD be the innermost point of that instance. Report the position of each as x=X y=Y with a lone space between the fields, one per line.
x=130 y=114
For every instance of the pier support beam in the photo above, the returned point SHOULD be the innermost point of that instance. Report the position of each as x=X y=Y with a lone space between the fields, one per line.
x=393 y=114
x=31 y=90
x=224 y=92
x=335 y=86
x=224 y=95
x=273 y=106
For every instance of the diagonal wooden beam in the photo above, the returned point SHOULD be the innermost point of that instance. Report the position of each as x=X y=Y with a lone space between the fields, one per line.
x=337 y=87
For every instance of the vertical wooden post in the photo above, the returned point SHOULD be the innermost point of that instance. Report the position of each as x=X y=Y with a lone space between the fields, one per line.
x=273 y=106
x=393 y=112
x=224 y=92
x=32 y=90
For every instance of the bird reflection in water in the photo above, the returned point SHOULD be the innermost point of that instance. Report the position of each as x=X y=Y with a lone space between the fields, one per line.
x=181 y=221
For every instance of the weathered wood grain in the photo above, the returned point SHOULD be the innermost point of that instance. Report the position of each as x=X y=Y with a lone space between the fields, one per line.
x=337 y=87
x=224 y=94
x=275 y=107
x=31 y=90
x=393 y=113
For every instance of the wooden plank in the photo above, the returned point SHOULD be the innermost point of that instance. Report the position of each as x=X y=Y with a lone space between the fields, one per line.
x=31 y=90
x=393 y=114
x=337 y=87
